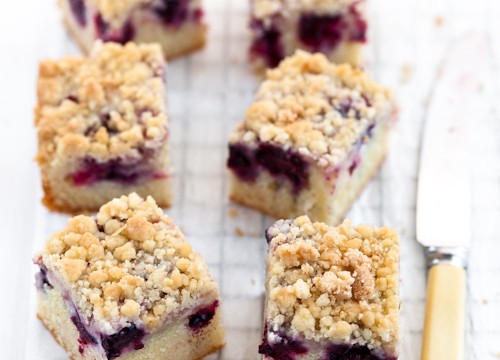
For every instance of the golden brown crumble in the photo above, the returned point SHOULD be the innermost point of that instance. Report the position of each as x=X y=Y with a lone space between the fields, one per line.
x=108 y=105
x=267 y=8
x=130 y=263
x=336 y=283
x=315 y=106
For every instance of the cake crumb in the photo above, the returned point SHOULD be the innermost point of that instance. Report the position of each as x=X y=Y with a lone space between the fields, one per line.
x=233 y=213
x=485 y=301
x=406 y=73
x=239 y=232
x=438 y=21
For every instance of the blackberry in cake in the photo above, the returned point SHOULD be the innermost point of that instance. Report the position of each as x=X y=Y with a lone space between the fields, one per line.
x=314 y=137
x=102 y=127
x=331 y=292
x=126 y=284
x=178 y=25
x=336 y=28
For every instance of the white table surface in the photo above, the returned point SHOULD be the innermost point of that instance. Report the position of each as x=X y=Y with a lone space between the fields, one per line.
x=208 y=95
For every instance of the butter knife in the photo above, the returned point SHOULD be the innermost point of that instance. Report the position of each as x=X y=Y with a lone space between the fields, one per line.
x=444 y=197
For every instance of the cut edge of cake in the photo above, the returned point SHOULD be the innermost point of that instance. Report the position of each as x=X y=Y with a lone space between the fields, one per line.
x=312 y=140
x=176 y=41
x=102 y=126
x=126 y=284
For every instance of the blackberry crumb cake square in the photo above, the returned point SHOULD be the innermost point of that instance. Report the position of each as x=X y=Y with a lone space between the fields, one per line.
x=178 y=25
x=314 y=137
x=103 y=128
x=336 y=28
x=331 y=292
x=127 y=285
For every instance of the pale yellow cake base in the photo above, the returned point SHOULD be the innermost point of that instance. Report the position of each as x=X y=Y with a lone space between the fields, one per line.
x=175 y=42
x=174 y=342
x=347 y=52
x=63 y=197
x=273 y=196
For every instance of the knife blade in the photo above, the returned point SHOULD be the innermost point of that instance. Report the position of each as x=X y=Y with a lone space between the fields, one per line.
x=444 y=195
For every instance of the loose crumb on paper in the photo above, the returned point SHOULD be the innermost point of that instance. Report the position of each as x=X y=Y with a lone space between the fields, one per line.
x=406 y=73
x=239 y=232
x=232 y=212
x=485 y=301
x=438 y=21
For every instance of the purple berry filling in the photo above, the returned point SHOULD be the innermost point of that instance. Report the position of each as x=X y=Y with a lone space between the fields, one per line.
x=203 y=316
x=79 y=11
x=316 y=32
x=172 y=12
x=369 y=130
x=279 y=162
x=123 y=171
x=114 y=345
x=176 y=12
x=104 y=32
x=72 y=98
x=359 y=27
x=321 y=33
x=105 y=121
x=285 y=349
x=283 y=163
x=355 y=164
x=357 y=156
x=128 y=338
x=345 y=106
x=85 y=338
x=325 y=32
x=113 y=170
x=352 y=352
x=269 y=237
x=267 y=43
x=241 y=161
x=41 y=280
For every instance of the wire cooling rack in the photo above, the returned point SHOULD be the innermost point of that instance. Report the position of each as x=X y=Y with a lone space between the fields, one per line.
x=208 y=95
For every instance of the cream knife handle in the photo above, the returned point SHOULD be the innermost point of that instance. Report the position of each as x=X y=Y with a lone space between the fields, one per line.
x=444 y=327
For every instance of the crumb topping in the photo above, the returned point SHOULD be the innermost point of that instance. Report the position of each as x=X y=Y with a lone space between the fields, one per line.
x=267 y=8
x=128 y=264
x=315 y=106
x=337 y=283
x=108 y=105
